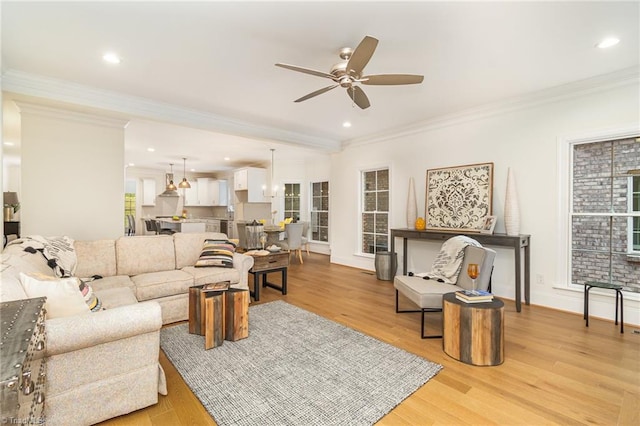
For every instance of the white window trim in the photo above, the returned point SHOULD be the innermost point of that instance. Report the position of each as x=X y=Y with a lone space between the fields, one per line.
x=359 y=234
x=565 y=177
x=310 y=200
x=630 y=250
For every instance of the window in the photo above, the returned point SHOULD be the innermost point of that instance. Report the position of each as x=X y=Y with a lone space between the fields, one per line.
x=375 y=211
x=129 y=201
x=292 y=200
x=320 y=211
x=604 y=212
x=634 y=208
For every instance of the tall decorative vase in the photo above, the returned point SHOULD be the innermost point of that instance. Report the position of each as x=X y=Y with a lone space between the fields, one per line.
x=511 y=208
x=412 y=206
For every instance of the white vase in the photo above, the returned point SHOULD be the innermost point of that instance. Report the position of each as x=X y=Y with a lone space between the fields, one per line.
x=412 y=206
x=511 y=208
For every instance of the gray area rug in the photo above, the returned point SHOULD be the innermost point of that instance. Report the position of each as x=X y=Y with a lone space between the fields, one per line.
x=296 y=368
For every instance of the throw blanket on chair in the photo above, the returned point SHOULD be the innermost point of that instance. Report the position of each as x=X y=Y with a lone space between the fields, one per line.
x=446 y=267
x=59 y=252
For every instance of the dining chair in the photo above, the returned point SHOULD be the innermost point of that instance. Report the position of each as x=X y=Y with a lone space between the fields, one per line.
x=151 y=226
x=131 y=225
x=305 y=235
x=242 y=234
x=161 y=230
x=293 y=242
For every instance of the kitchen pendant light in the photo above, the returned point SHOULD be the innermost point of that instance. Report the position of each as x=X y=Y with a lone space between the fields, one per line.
x=185 y=183
x=171 y=186
x=274 y=188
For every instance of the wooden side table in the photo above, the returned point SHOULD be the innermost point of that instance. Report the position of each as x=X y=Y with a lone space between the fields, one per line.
x=218 y=315
x=262 y=265
x=473 y=332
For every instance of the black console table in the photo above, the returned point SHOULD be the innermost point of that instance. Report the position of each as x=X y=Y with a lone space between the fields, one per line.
x=502 y=240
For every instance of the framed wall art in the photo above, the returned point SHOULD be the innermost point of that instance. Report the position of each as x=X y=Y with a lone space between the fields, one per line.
x=459 y=198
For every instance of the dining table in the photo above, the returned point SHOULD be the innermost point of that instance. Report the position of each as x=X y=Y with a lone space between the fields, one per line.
x=273 y=234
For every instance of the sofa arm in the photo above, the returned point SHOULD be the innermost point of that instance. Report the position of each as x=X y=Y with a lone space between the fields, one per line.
x=243 y=263
x=82 y=331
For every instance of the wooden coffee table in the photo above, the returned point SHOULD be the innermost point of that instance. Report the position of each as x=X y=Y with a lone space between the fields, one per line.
x=218 y=315
x=263 y=265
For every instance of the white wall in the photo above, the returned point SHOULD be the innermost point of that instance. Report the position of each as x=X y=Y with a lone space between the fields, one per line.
x=303 y=172
x=72 y=173
x=525 y=140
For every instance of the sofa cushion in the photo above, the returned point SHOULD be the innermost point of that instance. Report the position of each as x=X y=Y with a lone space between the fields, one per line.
x=116 y=297
x=216 y=253
x=144 y=254
x=159 y=284
x=117 y=281
x=63 y=295
x=95 y=258
x=189 y=245
x=14 y=261
x=212 y=275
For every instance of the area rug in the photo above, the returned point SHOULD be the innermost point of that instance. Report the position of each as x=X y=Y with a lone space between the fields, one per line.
x=295 y=368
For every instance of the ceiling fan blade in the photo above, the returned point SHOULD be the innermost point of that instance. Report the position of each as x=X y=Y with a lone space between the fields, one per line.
x=391 y=79
x=306 y=70
x=361 y=55
x=358 y=96
x=316 y=93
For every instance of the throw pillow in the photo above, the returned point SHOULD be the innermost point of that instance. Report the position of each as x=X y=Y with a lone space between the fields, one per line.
x=90 y=297
x=217 y=253
x=63 y=295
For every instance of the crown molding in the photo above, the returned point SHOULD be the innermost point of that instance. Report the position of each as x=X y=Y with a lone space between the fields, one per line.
x=28 y=108
x=624 y=77
x=64 y=91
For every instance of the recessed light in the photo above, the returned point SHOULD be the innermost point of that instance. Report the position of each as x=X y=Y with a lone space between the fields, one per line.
x=346 y=124
x=227 y=158
x=131 y=164
x=8 y=143
x=151 y=149
x=192 y=170
x=111 y=58
x=608 y=42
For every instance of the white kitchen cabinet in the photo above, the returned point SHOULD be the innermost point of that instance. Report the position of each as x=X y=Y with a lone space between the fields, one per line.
x=148 y=192
x=191 y=195
x=249 y=184
x=212 y=192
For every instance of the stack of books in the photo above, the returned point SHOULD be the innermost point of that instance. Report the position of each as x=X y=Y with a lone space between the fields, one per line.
x=470 y=296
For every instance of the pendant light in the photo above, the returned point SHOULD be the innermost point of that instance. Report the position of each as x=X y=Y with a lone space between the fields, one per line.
x=274 y=188
x=171 y=186
x=185 y=183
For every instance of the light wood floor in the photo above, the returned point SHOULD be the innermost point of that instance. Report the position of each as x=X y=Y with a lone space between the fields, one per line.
x=556 y=371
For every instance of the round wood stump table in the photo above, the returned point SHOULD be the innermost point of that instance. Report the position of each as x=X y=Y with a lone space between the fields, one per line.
x=473 y=332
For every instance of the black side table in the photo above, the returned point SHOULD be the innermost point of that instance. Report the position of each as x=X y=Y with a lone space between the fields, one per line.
x=618 y=289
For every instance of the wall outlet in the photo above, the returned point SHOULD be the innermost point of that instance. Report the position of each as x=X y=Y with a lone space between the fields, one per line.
x=539 y=279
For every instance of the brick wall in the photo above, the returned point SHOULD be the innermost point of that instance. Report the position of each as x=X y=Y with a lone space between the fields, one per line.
x=599 y=244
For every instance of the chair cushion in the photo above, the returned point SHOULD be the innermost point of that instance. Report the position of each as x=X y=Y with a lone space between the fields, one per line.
x=424 y=293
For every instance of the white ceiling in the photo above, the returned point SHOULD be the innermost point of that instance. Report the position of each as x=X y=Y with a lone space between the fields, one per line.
x=211 y=65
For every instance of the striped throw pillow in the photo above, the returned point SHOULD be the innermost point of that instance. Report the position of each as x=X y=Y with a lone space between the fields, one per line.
x=217 y=253
x=89 y=296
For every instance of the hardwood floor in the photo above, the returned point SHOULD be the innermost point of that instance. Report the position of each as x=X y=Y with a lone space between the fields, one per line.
x=556 y=371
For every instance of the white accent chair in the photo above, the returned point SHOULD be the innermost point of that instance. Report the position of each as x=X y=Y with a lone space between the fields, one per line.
x=427 y=293
x=305 y=236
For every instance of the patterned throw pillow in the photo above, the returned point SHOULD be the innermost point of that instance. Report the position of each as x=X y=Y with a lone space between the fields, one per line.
x=216 y=253
x=90 y=297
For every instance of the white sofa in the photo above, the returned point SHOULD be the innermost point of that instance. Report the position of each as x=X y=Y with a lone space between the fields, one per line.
x=104 y=364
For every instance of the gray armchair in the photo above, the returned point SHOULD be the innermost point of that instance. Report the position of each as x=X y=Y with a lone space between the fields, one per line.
x=293 y=242
x=427 y=293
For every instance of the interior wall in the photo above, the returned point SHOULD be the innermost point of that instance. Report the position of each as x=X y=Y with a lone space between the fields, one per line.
x=525 y=140
x=72 y=173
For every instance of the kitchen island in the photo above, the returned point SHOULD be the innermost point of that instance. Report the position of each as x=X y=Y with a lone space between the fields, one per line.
x=206 y=224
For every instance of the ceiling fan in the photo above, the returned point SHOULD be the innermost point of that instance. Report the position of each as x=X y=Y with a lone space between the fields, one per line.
x=349 y=71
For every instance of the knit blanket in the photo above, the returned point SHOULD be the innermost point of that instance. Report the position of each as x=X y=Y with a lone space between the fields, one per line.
x=446 y=267
x=59 y=252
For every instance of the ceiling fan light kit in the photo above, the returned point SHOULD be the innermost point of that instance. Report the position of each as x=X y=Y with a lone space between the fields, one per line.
x=349 y=72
